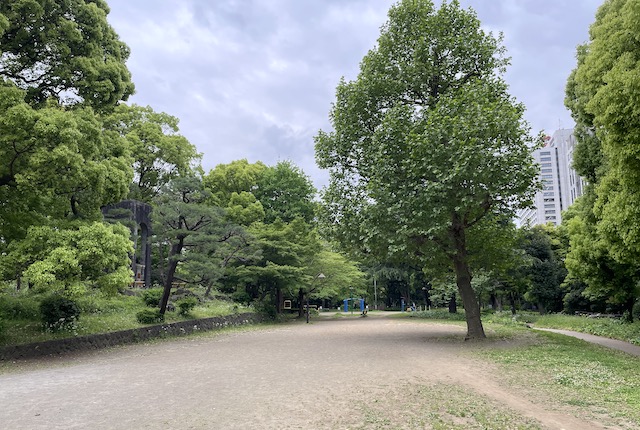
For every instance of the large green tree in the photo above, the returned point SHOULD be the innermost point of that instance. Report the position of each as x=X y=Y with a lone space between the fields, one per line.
x=55 y=163
x=285 y=192
x=590 y=260
x=545 y=272
x=427 y=143
x=341 y=276
x=256 y=192
x=159 y=152
x=232 y=186
x=60 y=62
x=63 y=50
x=68 y=258
x=236 y=177
x=190 y=228
x=602 y=93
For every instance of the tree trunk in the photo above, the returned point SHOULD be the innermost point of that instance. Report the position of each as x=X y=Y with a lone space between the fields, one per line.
x=278 y=300
x=493 y=299
x=176 y=249
x=512 y=302
x=453 y=305
x=541 y=309
x=300 y=302
x=628 y=307
x=463 y=280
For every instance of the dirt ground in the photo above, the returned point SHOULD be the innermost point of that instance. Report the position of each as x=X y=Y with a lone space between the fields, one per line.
x=349 y=373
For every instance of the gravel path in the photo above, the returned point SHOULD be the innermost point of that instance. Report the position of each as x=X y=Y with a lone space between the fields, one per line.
x=627 y=347
x=350 y=373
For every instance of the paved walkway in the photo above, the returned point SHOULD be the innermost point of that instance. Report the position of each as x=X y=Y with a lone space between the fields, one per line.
x=627 y=347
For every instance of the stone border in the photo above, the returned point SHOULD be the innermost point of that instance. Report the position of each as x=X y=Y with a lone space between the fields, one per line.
x=105 y=340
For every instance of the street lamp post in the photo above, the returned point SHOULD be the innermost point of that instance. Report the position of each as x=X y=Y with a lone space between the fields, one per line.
x=375 y=293
x=319 y=276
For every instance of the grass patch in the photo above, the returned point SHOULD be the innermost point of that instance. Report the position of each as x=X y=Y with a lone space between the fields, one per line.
x=436 y=314
x=99 y=314
x=607 y=327
x=438 y=407
x=598 y=381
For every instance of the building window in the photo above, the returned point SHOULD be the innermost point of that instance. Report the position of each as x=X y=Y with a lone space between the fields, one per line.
x=547 y=170
x=545 y=158
x=547 y=176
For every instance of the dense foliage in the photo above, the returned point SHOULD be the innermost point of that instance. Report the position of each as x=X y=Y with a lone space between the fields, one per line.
x=428 y=147
x=602 y=95
x=429 y=157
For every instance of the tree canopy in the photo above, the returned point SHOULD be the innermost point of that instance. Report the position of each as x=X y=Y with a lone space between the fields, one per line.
x=70 y=258
x=63 y=50
x=55 y=163
x=602 y=94
x=285 y=192
x=159 y=153
x=190 y=227
x=427 y=143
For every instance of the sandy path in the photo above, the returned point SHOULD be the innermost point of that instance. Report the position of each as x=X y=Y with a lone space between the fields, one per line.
x=310 y=376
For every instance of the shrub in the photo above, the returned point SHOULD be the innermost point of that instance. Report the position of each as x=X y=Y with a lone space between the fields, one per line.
x=152 y=297
x=150 y=316
x=635 y=311
x=266 y=309
x=19 y=307
x=59 y=313
x=186 y=305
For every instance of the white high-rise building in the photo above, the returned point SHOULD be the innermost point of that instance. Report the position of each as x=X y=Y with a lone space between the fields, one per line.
x=561 y=185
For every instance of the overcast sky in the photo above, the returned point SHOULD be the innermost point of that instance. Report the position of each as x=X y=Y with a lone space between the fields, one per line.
x=255 y=79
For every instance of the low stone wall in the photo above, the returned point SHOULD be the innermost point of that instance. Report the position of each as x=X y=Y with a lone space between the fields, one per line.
x=105 y=340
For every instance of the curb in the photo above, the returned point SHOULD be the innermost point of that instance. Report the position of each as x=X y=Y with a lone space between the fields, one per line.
x=106 y=340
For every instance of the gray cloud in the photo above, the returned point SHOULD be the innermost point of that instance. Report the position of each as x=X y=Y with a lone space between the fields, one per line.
x=255 y=79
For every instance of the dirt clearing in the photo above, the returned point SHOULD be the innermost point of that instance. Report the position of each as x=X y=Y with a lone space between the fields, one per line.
x=351 y=373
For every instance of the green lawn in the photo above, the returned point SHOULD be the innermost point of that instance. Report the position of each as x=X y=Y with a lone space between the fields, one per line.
x=20 y=318
x=607 y=327
x=597 y=380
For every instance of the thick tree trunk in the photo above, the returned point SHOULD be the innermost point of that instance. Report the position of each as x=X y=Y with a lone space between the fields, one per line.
x=176 y=249
x=512 y=302
x=463 y=280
